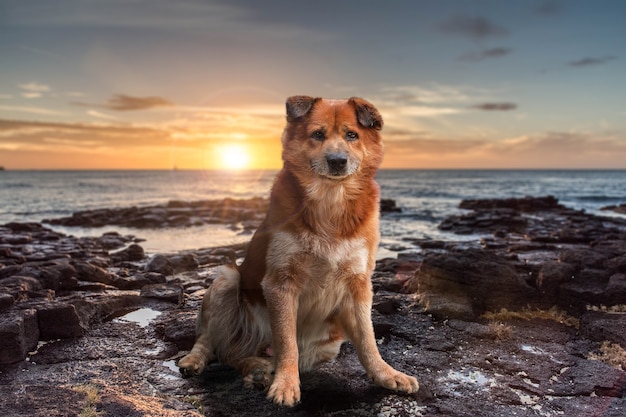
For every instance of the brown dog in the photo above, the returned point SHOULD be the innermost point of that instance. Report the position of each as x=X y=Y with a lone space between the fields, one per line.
x=305 y=284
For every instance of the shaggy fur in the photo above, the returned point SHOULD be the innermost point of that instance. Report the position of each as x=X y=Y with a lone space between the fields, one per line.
x=304 y=286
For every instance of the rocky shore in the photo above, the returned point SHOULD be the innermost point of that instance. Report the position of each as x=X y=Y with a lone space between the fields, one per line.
x=527 y=320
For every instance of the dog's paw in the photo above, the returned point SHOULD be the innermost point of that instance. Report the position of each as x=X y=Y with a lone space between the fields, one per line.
x=285 y=390
x=258 y=373
x=396 y=380
x=191 y=365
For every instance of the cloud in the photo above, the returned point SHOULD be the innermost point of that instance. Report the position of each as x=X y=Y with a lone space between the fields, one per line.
x=406 y=95
x=31 y=95
x=590 y=61
x=427 y=111
x=541 y=150
x=475 y=28
x=100 y=115
x=549 y=8
x=119 y=13
x=28 y=135
x=34 y=87
x=571 y=145
x=503 y=106
x=486 y=54
x=32 y=110
x=123 y=102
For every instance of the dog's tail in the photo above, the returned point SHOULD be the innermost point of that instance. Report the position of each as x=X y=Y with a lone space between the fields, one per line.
x=237 y=327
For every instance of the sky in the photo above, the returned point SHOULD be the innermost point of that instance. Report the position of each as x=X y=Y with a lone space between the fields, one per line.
x=201 y=84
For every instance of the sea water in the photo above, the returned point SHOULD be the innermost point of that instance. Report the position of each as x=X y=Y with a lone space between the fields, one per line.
x=426 y=197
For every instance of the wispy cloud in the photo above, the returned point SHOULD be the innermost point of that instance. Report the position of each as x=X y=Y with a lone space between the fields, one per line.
x=427 y=111
x=101 y=115
x=40 y=52
x=591 y=61
x=475 y=28
x=405 y=95
x=123 y=102
x=539 y=150
x=560 y=144
x=34 y=86
x=29 y=134
x=504 y=106
x=549 y=8
x=32 y=110
x=120 y=13
x=486 y=54
x=33 y=89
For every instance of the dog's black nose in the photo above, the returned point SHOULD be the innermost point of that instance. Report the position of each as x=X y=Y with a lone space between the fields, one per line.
x=337 y=163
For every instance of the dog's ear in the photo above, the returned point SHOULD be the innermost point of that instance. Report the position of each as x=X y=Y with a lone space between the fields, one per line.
x=298 y=106
x=366 y=113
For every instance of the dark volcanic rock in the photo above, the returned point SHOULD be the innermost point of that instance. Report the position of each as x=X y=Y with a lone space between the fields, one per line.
x=58 y=321
x=539 y=255
x=621 y=208
x=172 y=214
x=601 y=326
x=133 y=252
x=468 y=283
x=19 y=334
x=6 y=301
x=160 y=264
x=172 y=264
x=138 y=281
x=526 y=204
x=389 y=206
x=171 y=293
x=92 y=273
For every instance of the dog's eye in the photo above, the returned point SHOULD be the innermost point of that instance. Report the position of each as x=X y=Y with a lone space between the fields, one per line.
x=318 y=135
x=350 y=136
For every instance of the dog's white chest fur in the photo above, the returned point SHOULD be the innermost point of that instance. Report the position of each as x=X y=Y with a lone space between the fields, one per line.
x=318 y=256
x=324 y=267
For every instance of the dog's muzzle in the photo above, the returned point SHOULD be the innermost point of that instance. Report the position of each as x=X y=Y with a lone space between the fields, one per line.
x=337 y=164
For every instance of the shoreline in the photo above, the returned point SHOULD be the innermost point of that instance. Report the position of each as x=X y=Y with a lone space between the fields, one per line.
x=63 y=301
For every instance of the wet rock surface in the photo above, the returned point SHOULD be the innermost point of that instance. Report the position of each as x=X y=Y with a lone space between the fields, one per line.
x=97 y=324
x=249 y=212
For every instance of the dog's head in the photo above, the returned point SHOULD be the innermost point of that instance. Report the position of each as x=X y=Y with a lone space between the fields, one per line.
x=333 y=139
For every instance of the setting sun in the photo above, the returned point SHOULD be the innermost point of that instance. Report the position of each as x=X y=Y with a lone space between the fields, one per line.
x=233 y=157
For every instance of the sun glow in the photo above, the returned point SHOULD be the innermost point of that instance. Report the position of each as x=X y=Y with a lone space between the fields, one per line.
x=233 y=157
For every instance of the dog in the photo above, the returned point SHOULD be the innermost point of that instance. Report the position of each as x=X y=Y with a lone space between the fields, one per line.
x=305 y=283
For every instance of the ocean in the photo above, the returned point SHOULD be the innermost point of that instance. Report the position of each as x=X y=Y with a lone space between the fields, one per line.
x=425 y=196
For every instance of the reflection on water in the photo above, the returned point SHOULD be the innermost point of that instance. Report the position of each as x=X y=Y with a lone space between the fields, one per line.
x=142 y=317
x=171 y=364
x=167 y=240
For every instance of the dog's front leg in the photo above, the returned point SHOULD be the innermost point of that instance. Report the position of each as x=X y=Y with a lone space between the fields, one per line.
x=357 y=322
x=282 y=306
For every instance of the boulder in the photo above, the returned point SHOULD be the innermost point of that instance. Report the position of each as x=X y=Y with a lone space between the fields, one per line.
x=600 y=326
x=138 y=281
x=86 y=271
x=58 y=320
x=465 y=284
x=6 y=301
x=19 y=334
x=170 y=293
x=160 y=264
x=132 y=253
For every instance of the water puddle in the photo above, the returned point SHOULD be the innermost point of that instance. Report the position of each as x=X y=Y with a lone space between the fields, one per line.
x=171 y=364
x=142 y=317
